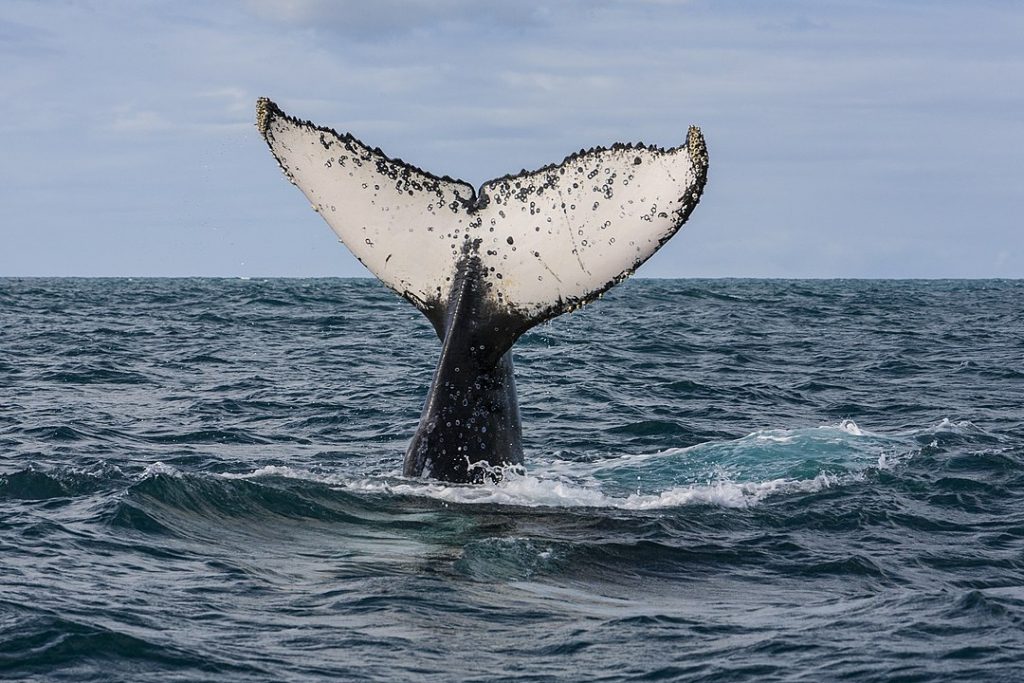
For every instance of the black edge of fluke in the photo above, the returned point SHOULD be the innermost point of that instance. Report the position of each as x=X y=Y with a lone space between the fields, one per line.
x=469 y=429
x=698 y=152
x=597 y=149
x=267 y=110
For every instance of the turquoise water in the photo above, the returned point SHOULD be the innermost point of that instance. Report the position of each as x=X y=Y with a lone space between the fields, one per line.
x=727 y=480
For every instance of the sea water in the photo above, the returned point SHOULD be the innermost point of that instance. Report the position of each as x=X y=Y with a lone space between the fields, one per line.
x=727 y=480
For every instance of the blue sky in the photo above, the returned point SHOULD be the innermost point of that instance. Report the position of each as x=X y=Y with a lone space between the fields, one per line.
x=847 y=139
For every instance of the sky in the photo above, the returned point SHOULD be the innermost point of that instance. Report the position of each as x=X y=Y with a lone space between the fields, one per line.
x=846 y=139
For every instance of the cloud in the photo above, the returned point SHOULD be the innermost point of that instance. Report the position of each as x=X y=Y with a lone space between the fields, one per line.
x=25 y=41
x=371 y=20
x=139 y=121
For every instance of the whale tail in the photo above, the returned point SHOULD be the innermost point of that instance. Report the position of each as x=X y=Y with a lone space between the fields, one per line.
x=485 y=266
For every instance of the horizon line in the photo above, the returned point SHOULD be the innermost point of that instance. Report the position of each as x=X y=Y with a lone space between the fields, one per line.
x=636 y=277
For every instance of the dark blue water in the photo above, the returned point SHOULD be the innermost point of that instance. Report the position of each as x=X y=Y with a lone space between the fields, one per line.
x=728 y=481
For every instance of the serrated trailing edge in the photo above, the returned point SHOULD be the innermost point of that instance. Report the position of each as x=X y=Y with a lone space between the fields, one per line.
x=548 y=240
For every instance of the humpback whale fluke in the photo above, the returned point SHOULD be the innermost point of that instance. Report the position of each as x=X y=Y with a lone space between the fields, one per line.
x=485 y=266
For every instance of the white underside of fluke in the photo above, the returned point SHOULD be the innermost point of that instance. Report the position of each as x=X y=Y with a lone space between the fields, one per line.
x=547 y=241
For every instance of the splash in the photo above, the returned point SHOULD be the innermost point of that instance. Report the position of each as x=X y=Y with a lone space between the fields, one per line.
x=741 y=473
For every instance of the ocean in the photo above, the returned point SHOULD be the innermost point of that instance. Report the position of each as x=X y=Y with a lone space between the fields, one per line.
x=727 y=480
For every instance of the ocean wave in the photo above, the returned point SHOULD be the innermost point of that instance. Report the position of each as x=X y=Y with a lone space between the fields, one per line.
x=737 y=473
x=47 y=482
x=36 y=643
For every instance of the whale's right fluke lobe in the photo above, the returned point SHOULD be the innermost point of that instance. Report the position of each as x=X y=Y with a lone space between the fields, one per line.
x=486 y=266
x=565 y=234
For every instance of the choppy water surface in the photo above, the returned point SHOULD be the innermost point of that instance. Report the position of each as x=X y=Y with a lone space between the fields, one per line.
x=727 y=480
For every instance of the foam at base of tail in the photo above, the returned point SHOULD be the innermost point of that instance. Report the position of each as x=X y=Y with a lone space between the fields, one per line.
x=715 y=472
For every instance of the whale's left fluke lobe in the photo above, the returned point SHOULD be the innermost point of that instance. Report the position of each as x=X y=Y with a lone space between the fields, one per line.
x=486 y=266
x=397 y=220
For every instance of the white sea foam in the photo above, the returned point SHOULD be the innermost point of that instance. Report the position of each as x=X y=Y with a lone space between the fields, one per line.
x=960 y=427
x=282 y=471
x=850 y=427
x=536 y=491
x=561 y=483
x=944 y=426
x=528 y=490
x=158 y=468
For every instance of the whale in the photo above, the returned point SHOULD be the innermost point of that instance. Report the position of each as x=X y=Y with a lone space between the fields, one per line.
x=484 y=265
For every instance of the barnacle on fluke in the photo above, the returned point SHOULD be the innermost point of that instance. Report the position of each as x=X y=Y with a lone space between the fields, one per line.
x=485 y=266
